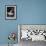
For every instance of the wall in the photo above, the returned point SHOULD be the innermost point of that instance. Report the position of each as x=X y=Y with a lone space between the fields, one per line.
x=28 y=12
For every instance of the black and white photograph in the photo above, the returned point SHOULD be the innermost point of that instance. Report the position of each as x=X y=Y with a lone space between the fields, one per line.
x=10 y=12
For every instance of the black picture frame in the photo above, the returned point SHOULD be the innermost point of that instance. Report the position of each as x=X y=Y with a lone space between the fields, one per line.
x=10 y=12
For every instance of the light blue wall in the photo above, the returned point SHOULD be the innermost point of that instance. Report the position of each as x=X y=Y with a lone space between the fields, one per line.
x=28 y=12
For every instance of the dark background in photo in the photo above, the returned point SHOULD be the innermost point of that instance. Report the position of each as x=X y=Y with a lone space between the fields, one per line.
x=10 y=11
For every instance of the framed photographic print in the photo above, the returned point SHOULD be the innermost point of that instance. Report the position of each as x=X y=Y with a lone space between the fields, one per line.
x=10 y=12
